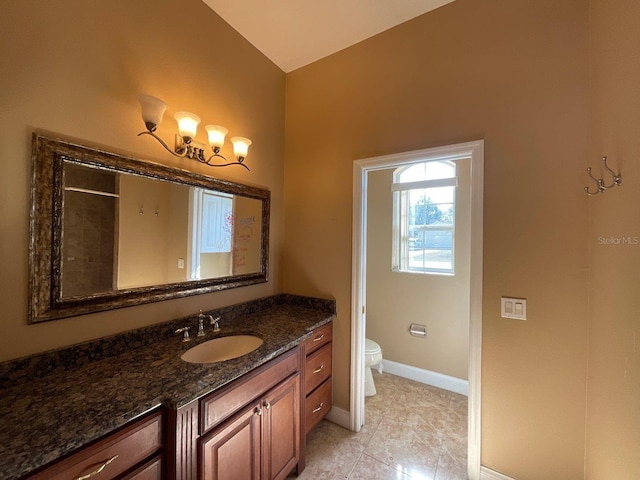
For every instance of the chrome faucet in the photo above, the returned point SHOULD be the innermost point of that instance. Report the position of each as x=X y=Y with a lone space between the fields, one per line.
x=214 y=322
x=185 y=332
x=201 y=317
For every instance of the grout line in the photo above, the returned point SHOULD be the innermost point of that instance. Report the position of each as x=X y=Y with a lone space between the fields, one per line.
x=355 y=465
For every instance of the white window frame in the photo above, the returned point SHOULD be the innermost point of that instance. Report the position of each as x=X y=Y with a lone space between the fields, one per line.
x=400 y=241
x=198 y=239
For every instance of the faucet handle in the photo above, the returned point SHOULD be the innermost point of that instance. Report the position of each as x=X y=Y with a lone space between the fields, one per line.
x=214 y=322
x=185 y=331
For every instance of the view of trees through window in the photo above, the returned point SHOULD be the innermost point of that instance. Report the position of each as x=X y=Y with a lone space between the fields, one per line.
x=425 y=211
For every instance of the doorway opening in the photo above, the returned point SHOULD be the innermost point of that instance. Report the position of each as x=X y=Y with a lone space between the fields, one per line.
x=474 y=152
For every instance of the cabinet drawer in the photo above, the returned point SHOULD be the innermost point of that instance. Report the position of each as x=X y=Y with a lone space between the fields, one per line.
x=317 y=405
x=151 y=470
x=222 y=404
x=117 y=453
x=320 y=337
x=317 y=368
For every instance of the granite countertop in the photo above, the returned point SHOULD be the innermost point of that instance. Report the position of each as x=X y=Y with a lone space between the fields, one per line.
x=48 y=416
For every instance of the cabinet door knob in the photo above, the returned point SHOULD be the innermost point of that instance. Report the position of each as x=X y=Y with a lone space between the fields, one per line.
x=267 y=405
x=97 y=470
x=319 y=369
x=315 y=410
x=258 y=411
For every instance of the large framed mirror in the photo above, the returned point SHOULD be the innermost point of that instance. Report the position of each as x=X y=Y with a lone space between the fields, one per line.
x=109 y=231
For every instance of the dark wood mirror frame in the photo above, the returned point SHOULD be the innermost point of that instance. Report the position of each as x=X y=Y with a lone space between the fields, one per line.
x=45 y=250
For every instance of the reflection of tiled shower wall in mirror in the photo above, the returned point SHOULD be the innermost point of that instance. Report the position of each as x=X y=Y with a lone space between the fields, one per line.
x=88 y=238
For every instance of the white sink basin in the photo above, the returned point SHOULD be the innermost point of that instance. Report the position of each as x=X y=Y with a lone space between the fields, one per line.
x=224 y=348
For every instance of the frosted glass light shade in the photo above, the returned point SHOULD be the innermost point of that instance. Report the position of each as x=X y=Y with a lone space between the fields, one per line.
x=152 y=110
x=240 y=147
x=216 y=135
x=187 y=125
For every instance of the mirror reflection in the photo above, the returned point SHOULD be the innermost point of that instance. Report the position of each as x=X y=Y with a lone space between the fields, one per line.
x=109 y=231
x=123 y=231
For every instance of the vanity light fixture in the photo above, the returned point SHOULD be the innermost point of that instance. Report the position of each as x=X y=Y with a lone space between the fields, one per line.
x=152 y=112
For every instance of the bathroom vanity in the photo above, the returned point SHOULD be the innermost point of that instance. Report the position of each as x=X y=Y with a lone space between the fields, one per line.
x=130 y=407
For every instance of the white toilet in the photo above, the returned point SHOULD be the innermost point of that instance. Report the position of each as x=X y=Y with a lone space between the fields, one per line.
x=372 y=358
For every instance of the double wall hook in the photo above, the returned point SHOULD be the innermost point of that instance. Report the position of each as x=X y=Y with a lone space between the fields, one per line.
x=616 y=179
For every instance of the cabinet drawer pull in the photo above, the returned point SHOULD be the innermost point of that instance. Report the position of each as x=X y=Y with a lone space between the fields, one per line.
x=315 y=410
x=319 y=369
x=98 y=470
x=317 y=339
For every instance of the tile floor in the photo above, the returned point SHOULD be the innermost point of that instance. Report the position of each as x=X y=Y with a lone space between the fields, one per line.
x=412 y=431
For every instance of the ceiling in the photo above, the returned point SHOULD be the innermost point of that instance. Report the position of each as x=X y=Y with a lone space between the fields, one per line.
x=294 y=33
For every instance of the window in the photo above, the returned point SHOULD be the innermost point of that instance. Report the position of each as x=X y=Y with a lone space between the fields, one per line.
x=424 y=217
x=210 y=233
x=216 y=220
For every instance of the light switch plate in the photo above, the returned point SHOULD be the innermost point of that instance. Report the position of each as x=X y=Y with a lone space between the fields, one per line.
x=515 y=308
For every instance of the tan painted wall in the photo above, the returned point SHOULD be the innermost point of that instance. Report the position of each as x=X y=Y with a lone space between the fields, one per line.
x=144 y=239
x=214 y=265
x=74 y=68
x=516 y=75
x=613 y=405
x=178 y=236
x=397 y=299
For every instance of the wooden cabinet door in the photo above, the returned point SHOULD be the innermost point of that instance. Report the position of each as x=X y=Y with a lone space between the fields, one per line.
x=232 y=451
x=281 y=429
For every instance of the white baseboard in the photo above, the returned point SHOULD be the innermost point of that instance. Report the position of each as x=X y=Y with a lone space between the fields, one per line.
x=340 y=417
x=487 y=474
x=421 y=375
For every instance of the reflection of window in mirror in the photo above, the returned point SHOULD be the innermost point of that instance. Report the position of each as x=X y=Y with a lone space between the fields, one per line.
x=211 y=232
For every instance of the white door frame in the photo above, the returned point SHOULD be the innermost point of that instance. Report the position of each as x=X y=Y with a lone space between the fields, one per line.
x=361 y=168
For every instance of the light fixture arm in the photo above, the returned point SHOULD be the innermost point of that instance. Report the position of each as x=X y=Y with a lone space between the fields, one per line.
x=217 y=155
x=181 y=153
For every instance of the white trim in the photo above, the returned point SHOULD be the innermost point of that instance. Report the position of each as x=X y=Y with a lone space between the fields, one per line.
x=361 y=168
x=358 y=274
x=487 y=474
x=339 y=417
x=428 y=377
x=475 y=312
x=437 y=183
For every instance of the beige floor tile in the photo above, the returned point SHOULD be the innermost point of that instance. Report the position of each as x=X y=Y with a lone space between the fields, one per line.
x=456 y=398
x=456 y=424
x=332 y=452
x=333 y=434
x=451 y=468
x=369 y=468
x=404 y=448
x=455 y=446
x=423 y=396
x=412 y=431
